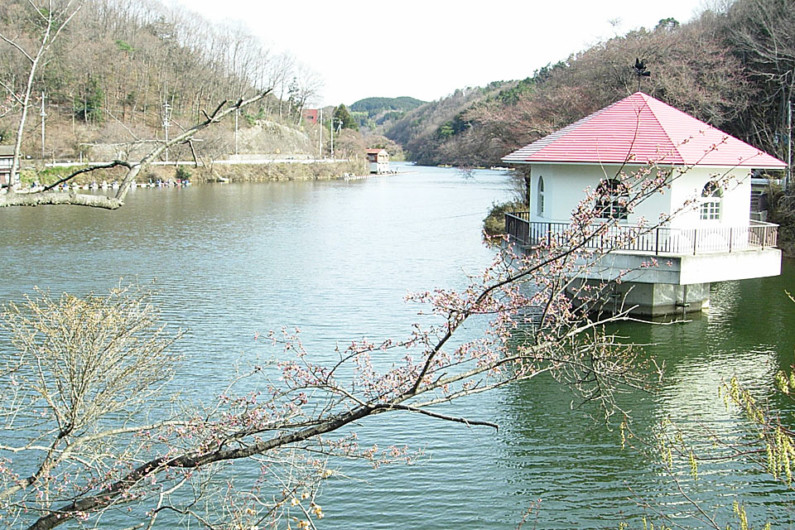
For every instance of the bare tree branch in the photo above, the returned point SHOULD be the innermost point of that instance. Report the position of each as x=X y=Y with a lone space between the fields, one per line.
x=48 y=197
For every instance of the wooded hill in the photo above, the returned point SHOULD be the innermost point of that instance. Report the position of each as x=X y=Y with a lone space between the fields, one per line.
x=123 y=70
x=374 y=113
x=731 y=68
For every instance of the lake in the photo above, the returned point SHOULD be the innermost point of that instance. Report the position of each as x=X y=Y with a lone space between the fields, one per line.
x=337 y=258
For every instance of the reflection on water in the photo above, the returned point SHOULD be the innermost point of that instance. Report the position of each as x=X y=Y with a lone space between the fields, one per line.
x=336 y=260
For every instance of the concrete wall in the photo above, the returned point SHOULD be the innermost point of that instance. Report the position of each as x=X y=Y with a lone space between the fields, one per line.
x=683 y=270
x=659 y=299
x=731 y=266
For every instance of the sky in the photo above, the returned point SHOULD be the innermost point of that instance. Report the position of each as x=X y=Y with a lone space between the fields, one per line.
x=429 y=48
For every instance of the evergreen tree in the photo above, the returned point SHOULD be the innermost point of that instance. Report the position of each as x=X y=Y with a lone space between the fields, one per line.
x=343 y=118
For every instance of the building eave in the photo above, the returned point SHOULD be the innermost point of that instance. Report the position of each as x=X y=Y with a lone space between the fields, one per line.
x=639 y=165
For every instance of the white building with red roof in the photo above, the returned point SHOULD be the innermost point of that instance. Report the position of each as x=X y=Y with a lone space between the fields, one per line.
x=706 y=235
x=378 y=160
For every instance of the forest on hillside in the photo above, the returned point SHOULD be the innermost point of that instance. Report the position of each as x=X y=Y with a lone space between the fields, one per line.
x=732 y=68
x=124 y=72
x=376 y=112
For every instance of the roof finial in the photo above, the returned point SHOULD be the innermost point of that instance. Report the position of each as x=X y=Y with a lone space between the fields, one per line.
x=640 y=70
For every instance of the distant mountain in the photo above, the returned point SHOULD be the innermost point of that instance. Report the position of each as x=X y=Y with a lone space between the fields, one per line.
x=376 y=105
x=377 y=113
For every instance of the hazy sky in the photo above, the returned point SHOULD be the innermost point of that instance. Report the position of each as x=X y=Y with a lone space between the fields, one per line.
x=428 y=48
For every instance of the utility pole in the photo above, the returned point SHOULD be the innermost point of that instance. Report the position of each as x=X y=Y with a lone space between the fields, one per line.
x=43 y=115
x=237 y=115
x=331 y=130
x=166 y=122
x=320 y=135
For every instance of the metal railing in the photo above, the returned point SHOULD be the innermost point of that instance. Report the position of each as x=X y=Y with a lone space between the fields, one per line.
x=657 y=240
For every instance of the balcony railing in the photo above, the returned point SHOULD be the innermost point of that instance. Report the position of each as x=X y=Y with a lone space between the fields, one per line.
x=660 y=240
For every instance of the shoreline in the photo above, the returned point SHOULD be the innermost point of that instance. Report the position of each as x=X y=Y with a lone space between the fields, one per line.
x=212 y=172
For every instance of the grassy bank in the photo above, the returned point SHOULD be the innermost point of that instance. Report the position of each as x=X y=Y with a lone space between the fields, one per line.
x=278 y=172
x=210 y=173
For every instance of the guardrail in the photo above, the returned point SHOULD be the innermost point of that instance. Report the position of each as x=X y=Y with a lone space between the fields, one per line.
x=660 y=240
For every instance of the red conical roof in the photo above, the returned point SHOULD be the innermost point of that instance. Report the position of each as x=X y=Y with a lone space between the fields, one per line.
x=641 y=130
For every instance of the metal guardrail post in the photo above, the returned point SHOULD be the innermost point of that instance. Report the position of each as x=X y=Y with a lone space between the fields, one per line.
x=695 y=241
x=657 y=241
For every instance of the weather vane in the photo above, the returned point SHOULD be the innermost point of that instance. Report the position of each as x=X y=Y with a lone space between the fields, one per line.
x=640 y=70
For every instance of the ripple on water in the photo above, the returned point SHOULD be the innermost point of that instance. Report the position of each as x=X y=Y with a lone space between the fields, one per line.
x=336 y=260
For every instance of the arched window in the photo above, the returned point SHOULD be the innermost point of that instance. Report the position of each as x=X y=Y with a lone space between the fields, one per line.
x=611 y=200
x=711 y=198
x=540 y=197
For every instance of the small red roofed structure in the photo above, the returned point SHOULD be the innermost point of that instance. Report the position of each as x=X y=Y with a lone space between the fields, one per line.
x=378 y=159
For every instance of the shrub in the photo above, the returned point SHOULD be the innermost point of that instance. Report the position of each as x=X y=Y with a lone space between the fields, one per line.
x=182 y=173
x=494 y=223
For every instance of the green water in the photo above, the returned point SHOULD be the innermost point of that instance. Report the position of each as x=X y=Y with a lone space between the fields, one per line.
x=336 y=259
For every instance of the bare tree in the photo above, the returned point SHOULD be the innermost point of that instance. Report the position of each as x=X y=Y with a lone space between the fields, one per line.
x=308 y=87
x=761 y=34
x=281 y=73
x=164 y=58
x=53 y=17
x=49 y=197
x=81 y=361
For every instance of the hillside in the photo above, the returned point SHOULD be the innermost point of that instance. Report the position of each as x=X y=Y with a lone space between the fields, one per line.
x=426 y=132
x=143 y=71
x=732 y=69
x=376 y=114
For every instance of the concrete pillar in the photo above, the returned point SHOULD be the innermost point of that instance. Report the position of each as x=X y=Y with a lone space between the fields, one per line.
x=645 y=299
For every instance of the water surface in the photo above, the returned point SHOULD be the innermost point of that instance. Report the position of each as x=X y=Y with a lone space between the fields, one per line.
x=336 y=259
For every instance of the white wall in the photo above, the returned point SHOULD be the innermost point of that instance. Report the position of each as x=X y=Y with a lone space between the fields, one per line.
x=735 y=205
x=565 y=184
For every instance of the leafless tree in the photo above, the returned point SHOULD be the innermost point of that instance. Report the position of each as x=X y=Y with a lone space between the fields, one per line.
x=53 y=17
x=49 y=197
x=135 y=57
x=80 y=361
x=762 y=34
